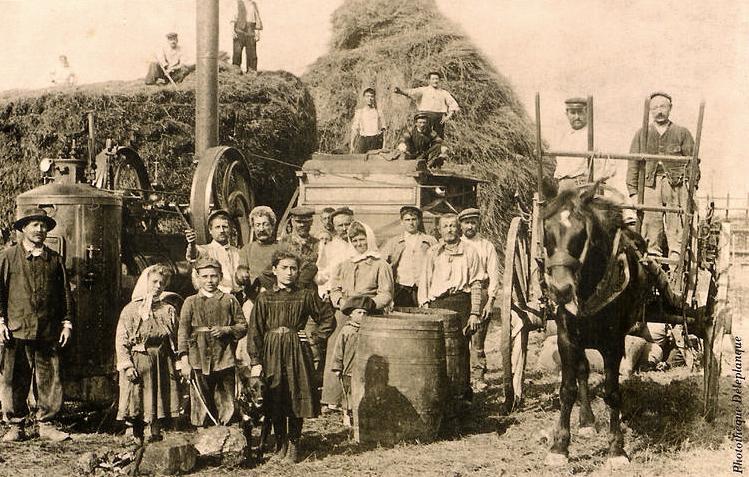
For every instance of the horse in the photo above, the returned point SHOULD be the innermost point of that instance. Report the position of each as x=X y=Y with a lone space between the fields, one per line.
x=587 y=245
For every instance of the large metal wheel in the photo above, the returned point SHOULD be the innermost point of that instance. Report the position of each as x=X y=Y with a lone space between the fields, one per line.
x=222 y=181
x=516 y=290
x=129 y=172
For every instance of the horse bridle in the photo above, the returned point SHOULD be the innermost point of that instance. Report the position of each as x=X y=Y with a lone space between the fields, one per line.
x=563 y=258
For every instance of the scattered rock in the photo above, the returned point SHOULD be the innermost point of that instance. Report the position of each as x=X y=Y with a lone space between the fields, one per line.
x=226 y=444
x=87 y=462
x=174 y=455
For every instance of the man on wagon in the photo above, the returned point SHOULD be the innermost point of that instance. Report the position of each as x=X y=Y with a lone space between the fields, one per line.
x=422 y=144
x=451 y=279
x=437 y=103
x=35 y=322
x=368 y=126
x=406 y=253
x=664 y=183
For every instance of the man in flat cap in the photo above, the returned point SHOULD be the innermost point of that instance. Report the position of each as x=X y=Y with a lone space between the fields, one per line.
x=35 y=322
x=451 y=279
x=438 y=104
x=246 y=25
x=470 y=223
x=406 y=253
x=169 y=63
x=423 y=144
x=664 y=183
x=368 y=126
x=303 y=244
x=219 y=248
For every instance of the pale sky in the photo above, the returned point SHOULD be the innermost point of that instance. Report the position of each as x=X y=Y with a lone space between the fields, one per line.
x=616 y=51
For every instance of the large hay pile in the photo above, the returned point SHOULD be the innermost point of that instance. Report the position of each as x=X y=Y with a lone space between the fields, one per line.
x=388 y=43
x=270 y=114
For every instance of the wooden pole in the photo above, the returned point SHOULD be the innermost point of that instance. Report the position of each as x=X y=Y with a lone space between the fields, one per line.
x=591 y=173
x=539 y=150
x=641 y=164
x=728 y=203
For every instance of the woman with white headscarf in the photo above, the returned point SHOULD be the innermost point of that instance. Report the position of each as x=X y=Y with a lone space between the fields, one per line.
x=144 y=346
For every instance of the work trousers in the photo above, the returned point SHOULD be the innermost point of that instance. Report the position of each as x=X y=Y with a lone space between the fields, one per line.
x=435 y=122
x=156 y=72
x=405 y=295
x=218 y=389
x=368 y=143
x=654 y=225
x=245 y=42
x=30 y=364
x=478 y=355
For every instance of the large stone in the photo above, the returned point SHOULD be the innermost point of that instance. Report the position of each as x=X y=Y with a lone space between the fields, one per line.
x=223 y=443
x=174 y=455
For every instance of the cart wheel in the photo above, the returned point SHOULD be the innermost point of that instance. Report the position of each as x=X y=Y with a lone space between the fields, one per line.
x=515 y=291
x=712 y=359
x=222 y=181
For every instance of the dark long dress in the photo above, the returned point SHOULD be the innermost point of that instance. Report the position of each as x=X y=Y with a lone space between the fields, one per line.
x=276 y=320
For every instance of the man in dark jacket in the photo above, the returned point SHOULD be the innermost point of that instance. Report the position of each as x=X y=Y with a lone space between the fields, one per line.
x=35 y=321
x=422 y=144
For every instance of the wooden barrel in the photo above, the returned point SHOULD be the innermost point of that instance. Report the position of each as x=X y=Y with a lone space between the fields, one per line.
x=457 y=357
x=399 y=383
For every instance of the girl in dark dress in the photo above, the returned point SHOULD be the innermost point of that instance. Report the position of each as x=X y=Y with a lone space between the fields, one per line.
x=280 y=350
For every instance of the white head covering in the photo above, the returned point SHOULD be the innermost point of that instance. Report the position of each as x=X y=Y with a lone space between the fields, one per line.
x=141 y=292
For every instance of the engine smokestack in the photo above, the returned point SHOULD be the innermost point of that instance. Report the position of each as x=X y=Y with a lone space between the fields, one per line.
x=206 y=92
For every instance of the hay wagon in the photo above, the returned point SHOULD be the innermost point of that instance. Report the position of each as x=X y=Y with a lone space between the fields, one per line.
x=696 y=278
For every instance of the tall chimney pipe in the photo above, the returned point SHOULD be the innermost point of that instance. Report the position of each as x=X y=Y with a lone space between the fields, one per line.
x=206 y=90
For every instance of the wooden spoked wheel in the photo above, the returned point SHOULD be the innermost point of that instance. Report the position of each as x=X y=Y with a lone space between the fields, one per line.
x=516 y=288
x=222 y=181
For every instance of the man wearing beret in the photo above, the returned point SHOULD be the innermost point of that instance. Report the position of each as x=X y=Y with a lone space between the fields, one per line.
x=406 y=254
x=437 y=103
x=35 y=322
x=423 y=144
x=664 y=183
x=368 y=126
x=470 y=222
x=219 y=248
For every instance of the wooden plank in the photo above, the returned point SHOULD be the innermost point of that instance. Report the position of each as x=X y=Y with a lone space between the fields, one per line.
x=619 y=156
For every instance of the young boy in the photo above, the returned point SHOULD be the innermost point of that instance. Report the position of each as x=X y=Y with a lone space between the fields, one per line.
x=356 y=308
x=210 y=324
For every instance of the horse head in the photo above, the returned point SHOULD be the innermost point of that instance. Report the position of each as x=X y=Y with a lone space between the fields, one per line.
x=569 y=224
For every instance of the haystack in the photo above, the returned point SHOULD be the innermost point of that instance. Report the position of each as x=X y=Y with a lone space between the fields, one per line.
x=271 y=114
x=388 y=43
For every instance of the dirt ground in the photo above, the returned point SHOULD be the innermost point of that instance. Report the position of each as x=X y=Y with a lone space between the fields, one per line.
x=664 y=432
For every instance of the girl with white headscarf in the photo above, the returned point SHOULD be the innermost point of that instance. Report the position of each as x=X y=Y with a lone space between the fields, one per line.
x=144 y=345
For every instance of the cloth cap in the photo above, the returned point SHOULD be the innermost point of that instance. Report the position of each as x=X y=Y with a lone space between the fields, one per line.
x=341 y=210
x=171 y=35
x=469 y=214
x=576 y=102
x=220 y=213
x=410 y=209
x=34 y=213
x=421 y=116
x=369 y=90
x=358 y=302
x=302 y=213
x=661 y=93
x=207 y=262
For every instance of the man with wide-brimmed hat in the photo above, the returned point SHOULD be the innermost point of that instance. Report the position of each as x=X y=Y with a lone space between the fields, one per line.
x=470 y=223
x=219 y=248
x=35 y=322
x=406 y=253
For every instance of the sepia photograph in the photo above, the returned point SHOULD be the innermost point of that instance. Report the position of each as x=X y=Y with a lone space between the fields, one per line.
x=373 y=237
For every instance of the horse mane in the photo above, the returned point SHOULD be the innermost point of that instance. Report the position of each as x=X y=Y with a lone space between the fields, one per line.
x=605 y=213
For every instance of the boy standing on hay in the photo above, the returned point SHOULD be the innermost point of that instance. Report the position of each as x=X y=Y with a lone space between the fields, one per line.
x=210 y=324
x=438 y=104
x=356 y=308
x=368 y=127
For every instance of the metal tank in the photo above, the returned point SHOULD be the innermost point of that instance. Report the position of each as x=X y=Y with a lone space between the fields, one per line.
x=87 y=236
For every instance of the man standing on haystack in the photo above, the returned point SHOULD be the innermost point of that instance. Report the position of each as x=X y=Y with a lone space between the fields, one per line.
x=437 y=103
x=168 y=66
x=246 y=25
x=470 y=222
x=35 y=322
x=368 y=127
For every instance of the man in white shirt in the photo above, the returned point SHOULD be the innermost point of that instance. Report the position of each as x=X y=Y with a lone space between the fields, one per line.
x=438 y=104
x=246 y=25
x=368 y=126
x=470 y=222
x=168 y=63
x=219 y=249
